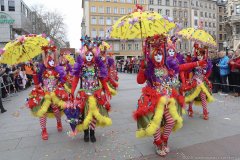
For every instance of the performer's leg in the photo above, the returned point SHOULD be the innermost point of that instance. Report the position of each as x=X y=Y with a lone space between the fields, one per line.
x=57 y=114
x=204 y=105
x=43 y=122
x=158 y=143
x=190 y=110
x=167 y=129
x=92 y=130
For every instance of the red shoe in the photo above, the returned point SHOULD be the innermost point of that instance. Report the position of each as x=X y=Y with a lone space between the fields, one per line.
x=44 y=134
x=59 y=126
x=205 y=116
x=190 y=113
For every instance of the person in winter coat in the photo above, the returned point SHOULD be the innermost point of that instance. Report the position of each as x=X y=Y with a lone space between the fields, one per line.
x=224 y=70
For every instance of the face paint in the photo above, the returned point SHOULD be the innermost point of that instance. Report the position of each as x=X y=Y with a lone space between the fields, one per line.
x=51 y=63
x=89 y=57
x=200 y=57
x=158 y=57
x=171 y=52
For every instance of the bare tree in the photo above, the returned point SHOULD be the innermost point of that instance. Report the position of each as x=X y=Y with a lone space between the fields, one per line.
x=54 y=24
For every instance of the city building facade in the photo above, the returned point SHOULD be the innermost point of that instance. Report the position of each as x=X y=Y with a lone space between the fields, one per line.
x=100 y=15
x=15 y=18
x=222 y=34
x=232 y=24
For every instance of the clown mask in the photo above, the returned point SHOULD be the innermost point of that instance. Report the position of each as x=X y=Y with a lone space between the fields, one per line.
x=51 y=63
x=158 y=57
x=171 y=52
x=89 y=56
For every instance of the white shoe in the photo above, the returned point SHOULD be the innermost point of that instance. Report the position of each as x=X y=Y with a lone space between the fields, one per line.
x=166 y=149
x=159 y=151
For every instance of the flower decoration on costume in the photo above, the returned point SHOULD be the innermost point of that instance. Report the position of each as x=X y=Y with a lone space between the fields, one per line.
x=97 y=41
x=85 y=40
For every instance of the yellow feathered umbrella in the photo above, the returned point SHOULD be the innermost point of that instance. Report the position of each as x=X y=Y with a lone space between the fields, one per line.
x=23 y=49
x=198 y=35
x=104 y=46
x=141 y=24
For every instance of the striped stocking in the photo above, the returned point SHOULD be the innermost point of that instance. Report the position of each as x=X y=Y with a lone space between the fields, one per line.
x=157 y=137
x=169 y=124
x=56 y=112
x=190 y=107
x=204 y=102
x=92 y=125
x=43 y=121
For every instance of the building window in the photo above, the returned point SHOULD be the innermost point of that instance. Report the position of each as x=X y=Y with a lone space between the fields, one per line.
x=101 y=32
x=220 y=27
x=2 y=5
x=180 y=3
x=129 y=46
x=101 y=9
x=210 y=6
x=206 y=24
x=214 y=7
x=129 y=1
x=141 y=1
x=180 y=14
x=206 y=15
x=237 y=29
x=108 y=21
x=195 y=13
x=108 y=9
x=205 y=5
x=210 y=15
x=201 y=14
x=122 y=1
x=185 y=24
x=225 y=37
x=196 y=3
x=93 y=33
x=101 y=20
x=174 y=13
x=238 y=9
x=136 y=46
x=107 y=0
x=93 y=20
x=93 y=9
x=122 y=10
x=160 y=11
x=185 y=4
x=174 y=2
x=116 y=47
x=167 y=2
x=150 y=1
x=220 y=36
x=11 y=5
x=129 y=10
x=214 y=25
x=196 y=22
x=214 y=15
x=159 y=2
x=151 y=9
x=220 y=18
x=115 y=10
x=185 y=14
x=201 y=5
x=115 y=1
x=123 y=47
x=210 y=24
x=167 y=12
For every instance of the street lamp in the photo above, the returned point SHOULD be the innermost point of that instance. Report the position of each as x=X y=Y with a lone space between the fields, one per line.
x=225 y=45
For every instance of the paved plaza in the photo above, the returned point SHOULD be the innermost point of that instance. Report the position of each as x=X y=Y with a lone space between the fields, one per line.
x=217 y=138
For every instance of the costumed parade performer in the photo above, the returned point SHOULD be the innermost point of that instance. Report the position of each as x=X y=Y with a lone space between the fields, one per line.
x=45 y=100
x=110 y=64
x=93 y=94
x=197 y=88
x=67 y=61
x=157 y=112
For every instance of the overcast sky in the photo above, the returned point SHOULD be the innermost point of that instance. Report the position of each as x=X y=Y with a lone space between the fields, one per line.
x=72 y=11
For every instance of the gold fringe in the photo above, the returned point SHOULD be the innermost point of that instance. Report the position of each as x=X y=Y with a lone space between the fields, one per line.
x=196 y=93
x=155 y=122
x=112 y=91
x=174 y=113
x=67 y=88
x=93 y=112
x=58 y=101
x=45 y=106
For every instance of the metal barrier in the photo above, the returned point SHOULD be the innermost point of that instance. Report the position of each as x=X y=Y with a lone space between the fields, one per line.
x=6 y=85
